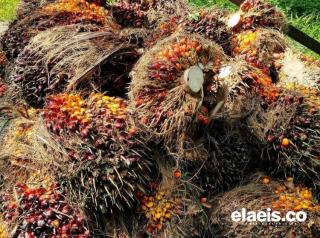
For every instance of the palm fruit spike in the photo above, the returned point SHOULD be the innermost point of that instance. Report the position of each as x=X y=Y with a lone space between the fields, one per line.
x=211 y=25
x=291 y=197
x=2 y=89
x=42 y=212
x=60 y=13
x=254 y=14
x=60 y=59
x=129 y=14
x=172 y=207
x=245 y=81
x=26 y=7
x=227 y=158
x=280 y=196
x=159 y=209
x=110 y=158
x=293 y=138
x=3 y=230
x=258 y=47
x=164 y=92
x=166 y=28
x=3 y=62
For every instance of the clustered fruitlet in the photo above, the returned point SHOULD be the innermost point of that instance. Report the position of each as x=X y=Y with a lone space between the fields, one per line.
x=63 y=12
x=255 y=47
x=296 y=147
x=2 y=89
x=42 y=212
x=84 y=10
x=33 y=81
x=129 y=14
x=311 y=95
x=167 y=67
x=261 y=84
x=258 y=13
x=294 y=198
x=111 y=163
x=159 y=209
x=244 y=46
x=165 y=29
x=35 y=74
x=211 y=26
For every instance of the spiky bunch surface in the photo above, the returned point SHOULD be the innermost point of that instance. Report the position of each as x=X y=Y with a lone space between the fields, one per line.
x=173 y=207
x=83 y=9
x=26 y=7
x=246 y=81
x=42 y=212
x=210 y=24
x=2 y=89
x=229 y=159
x=292 y=197
x=159 y=209
x=294 y=145
x=64 y=12
x=108 y=159
x=58 y=58
x=162 y=103
x=259 y=47
x=129 y=14
x=260 y=13
x=3 y=62
x=260 y=194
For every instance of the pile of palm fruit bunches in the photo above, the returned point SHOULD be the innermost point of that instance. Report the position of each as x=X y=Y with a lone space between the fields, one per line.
x=155 y=119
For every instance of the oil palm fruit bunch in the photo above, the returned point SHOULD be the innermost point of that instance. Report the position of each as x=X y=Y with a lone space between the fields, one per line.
x=86 y=11
x=292 y=197
x=159 y=209
x=210 y=24
x=129 y=14
x=265 y=194
x=42 y=212
x=164 y=29
x=3 y=232
x=248 y=87
x=26 y=7
x=257 y=13
x=60 y=13
x=227 y=161
x=59 y=59
x=2 y=89
x=173 y=86
x=3 y=62
x=292 y=137
x=172 y=207
x=108 y=158
x=259 y=47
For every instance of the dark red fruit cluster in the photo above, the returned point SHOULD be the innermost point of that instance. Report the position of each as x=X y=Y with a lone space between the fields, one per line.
x=304 y=126
x=107 y=150
x=211 y=26
x=129 y=14
x=41 y=212
x=259 y=13
x=30 y=73
x=60 y=13
x=2 y=88
x=3 y=62
x=96 y=120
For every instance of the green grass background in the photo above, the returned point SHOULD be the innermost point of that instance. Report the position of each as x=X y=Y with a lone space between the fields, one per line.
x=7 y=9
x=305 y=14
